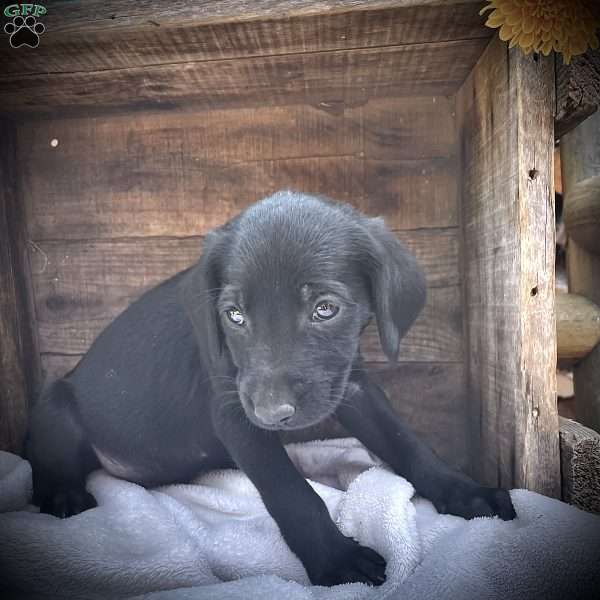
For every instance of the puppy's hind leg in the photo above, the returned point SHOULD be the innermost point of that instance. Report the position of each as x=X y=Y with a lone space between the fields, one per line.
x=60 y=455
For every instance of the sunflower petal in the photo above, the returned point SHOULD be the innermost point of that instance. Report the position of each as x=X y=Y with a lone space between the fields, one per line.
x=547 y=24
x=546 y=47
x=488 y=7
x=527 y=39
x=514 y=19
x=495 y=20
x=528 y=24
x=506 y=32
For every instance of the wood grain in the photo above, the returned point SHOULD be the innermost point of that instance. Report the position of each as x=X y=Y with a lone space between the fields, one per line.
x=580 y=465
x=176 y=36
x=506 y=113
x=577 y=89
x=19 y=358
x=183 y=173
x=347 y=76
x=431 y=398
x=121 y=16
x=80 y=287
x=56 y=365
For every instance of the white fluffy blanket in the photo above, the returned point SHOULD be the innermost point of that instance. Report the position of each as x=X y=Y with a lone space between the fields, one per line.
x=213 y=539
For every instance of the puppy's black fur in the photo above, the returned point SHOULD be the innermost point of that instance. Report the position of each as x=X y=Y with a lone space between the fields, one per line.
x=261 y=336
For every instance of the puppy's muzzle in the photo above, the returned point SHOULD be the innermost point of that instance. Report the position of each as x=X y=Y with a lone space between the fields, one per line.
x=274 y=415
x=272 y=401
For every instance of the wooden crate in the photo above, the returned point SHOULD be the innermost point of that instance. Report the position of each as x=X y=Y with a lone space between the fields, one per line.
x=134 y=128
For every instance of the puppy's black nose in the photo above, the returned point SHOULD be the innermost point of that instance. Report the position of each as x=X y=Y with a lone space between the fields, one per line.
x=274 y=415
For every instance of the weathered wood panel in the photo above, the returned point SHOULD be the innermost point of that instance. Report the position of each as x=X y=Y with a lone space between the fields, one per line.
x=180 y=174
x=580 y=465
x=89 y=44
x=577 y=89
x=506 y=110
x=19 y=358
x=81 y=286
x=121 y=15
x=57 y=365
x=350 y=76
x=431 y=398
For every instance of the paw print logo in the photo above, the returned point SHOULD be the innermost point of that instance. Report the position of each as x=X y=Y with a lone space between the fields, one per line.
x=24 y=31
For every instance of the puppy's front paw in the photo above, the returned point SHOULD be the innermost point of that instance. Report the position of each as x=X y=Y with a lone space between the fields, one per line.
x=350 y=562
x=67 y=503
x=469 y=500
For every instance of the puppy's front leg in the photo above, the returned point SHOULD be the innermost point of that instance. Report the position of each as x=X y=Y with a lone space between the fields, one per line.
x=329 y=557
x=367 y=414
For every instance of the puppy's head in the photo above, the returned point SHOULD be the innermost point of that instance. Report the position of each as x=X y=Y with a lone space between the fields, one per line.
x=281 y=295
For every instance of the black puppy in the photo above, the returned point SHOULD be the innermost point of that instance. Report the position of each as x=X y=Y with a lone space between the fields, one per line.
x=260 y=336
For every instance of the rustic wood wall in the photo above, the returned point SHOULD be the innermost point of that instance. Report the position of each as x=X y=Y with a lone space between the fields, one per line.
x=117 y=203
x=19 y=356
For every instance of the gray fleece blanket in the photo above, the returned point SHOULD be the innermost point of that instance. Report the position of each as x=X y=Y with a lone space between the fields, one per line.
x=213 y=539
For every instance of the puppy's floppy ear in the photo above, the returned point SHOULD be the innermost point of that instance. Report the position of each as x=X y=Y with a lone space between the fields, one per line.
x=397 y=287
x=200 y=290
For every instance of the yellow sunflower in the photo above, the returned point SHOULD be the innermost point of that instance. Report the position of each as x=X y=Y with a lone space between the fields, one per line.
x=567 y=26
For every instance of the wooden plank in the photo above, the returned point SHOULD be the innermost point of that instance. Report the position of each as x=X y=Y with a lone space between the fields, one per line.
x=580 y=465
x=57 y=365
x=165 y=37
x=140 y=209
x=506 y=113
x=577 y=89
x=166 y=173
x=19 y=358
x=577 y=326
x=348 y=76
x=580 y=154
x=81 y=286
x=431 y=398
x=120 y=15
x=411 y=194
x=407 y=128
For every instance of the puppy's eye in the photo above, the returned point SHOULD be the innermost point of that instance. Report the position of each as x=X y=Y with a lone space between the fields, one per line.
x=324 y=311
x=235 y=316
